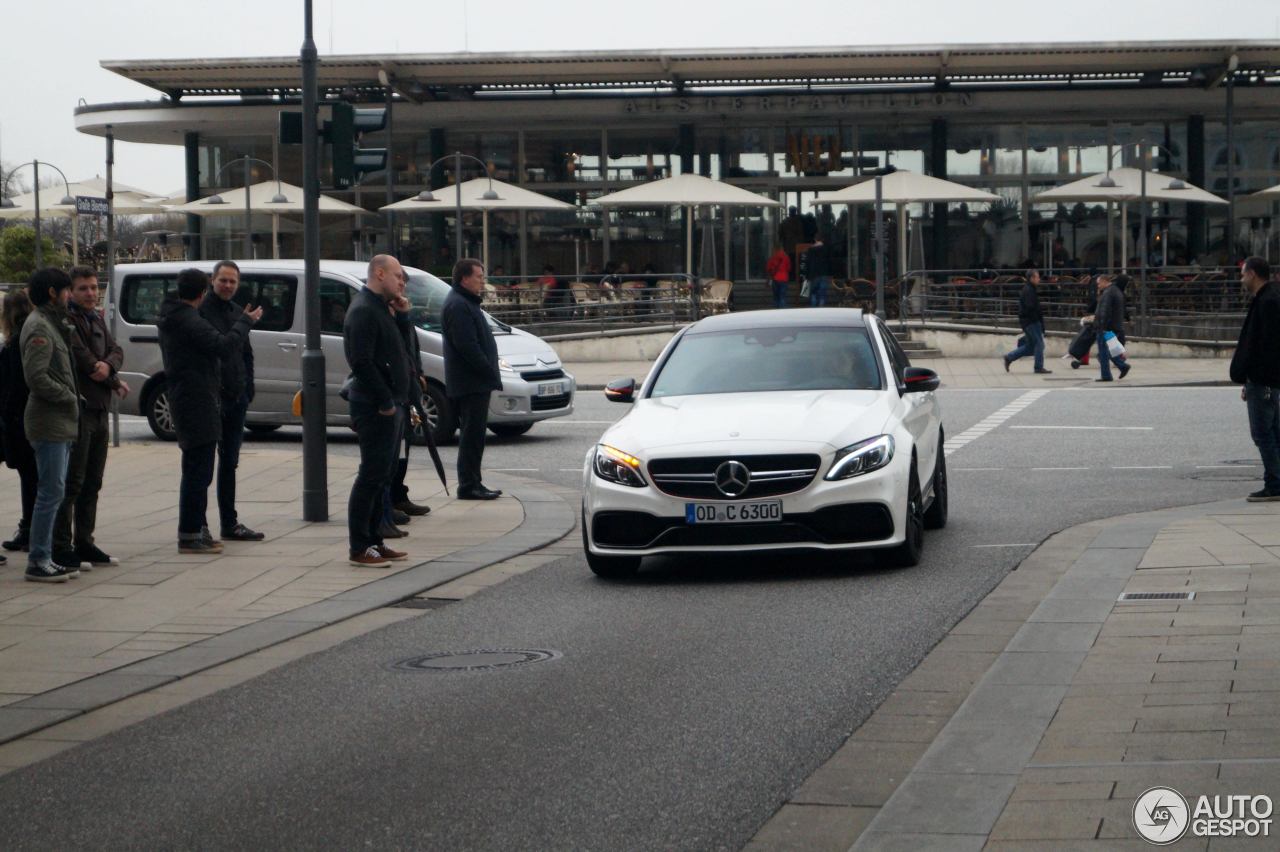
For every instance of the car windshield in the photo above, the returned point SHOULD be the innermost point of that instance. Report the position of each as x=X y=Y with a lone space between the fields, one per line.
x=426 y=293
x=770 y=358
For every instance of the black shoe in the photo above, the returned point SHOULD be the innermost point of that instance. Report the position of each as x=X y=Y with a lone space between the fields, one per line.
x=1104 y=380
x=398 y=517
x=1075 y=365
x=207 y=535
x=1124 y=370
x=1006 y=363
x=199 y=546
x=21 y=539
x=391 y=531
x=411 y=508
x=71 y=561
x=1042 y=370
x=1264 y=496
x=94 y=556
x=51 y=573
x=480 y=493
x=242 y=533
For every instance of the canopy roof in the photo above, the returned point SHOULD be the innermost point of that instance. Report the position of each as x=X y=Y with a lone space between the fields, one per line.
x=1128 y=187
x=128 y=199
x=903 y=187
x=687 y=190
x=510 y=197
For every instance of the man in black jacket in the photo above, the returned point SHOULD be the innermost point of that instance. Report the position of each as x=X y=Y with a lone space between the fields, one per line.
x=470 y=372
x=236 y=392
x=373 y=339
x=1031 y=318
x=96 y=359
x=817 y=271
x=1256 y=365
x=1110 y=317
x=193 y=351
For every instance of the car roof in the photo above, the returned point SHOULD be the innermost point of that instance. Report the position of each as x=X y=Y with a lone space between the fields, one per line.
x=355 y=268
x=782 y=318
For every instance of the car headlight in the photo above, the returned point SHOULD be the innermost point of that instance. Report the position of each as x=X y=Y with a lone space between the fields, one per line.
x=614 y=465
x=862 y=457
x=505 y=366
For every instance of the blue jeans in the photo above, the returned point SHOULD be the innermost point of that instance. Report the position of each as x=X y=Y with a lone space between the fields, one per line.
x=779 y=294
x=1264 y=427
x=1034 y=345
x=1105 y=358
x=51 y=462
x=818 y=290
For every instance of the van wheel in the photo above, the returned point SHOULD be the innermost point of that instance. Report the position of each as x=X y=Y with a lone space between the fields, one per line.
x=509 y=430
x=160 y=415
x=441 y=417
x=262 y=428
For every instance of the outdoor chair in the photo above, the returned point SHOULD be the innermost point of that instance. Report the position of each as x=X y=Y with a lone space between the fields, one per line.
x=715 y=299
x=587 y=300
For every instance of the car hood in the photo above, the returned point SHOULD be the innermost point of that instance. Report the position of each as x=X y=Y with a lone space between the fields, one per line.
x=522 y=349
x=778 y=421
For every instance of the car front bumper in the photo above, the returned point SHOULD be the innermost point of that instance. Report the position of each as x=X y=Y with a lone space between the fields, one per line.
x=527 y=401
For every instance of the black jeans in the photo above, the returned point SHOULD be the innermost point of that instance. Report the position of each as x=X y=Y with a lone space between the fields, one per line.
x=229 y=460
x=84 y=480
x=379 y=437
x=193 y=493
x=473 y=417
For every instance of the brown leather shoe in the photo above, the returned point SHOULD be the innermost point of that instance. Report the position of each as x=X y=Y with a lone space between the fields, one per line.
x=388 y=553
x=370 y=557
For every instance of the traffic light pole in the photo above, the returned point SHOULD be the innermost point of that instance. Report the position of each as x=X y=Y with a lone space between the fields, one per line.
x=315 y=488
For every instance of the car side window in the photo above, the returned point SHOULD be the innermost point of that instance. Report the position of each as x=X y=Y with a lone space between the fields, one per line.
x=335 y=298
x=142 y=295
x=275 y=294
x=896 y=355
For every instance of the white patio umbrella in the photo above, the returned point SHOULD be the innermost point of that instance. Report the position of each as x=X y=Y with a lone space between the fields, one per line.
x=901 y=188
x=274 y=197
x=483 y=194
x=127 y=201
x=685 y=191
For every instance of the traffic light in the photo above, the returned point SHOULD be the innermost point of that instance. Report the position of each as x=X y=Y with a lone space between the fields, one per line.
x=343 y=133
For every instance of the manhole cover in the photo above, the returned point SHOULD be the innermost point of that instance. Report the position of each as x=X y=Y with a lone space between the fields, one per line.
x=478 y=660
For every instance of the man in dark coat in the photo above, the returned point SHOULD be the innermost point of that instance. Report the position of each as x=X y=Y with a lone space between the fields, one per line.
x=1110 y=317
x=96 y=358
x=377 y=394
x=1256 y=365
x=470 y=372
x=236 y=394
x=1031 y=318
x=817 y=271
x=193 y=351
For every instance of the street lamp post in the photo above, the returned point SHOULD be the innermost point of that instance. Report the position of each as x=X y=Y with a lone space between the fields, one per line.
x=278 y=198
x=427 y=196
x=315 y=471
x=8 y=203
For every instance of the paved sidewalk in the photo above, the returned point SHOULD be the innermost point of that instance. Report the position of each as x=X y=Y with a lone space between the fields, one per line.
x=159 y=616
x=1043 y=715
x=982 y=373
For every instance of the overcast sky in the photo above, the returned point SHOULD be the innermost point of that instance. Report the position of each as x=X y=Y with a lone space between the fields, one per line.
x=51 y=62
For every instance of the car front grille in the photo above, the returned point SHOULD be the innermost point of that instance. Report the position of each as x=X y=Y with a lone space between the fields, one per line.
x=541 y=375
x=848 y=523
x=771 y=475
x=548 y=403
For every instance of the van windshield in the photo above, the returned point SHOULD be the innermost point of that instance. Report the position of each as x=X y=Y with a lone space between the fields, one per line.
x=427 y=294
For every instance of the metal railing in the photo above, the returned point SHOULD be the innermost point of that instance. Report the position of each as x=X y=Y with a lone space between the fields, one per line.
x=1199 y=306
x=598 y=304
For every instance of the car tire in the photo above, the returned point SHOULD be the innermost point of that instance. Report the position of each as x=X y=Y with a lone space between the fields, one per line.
x=908 y=554
x=262 y=428
x=160 y=414
x=935 y=517
x=608 y=567
x=441 y=417
x=509 y=430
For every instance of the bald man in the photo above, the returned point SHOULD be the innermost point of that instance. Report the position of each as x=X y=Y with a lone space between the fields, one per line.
x=373 y=338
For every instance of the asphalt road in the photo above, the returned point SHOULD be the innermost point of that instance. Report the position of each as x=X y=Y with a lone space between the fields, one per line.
x=683 y=707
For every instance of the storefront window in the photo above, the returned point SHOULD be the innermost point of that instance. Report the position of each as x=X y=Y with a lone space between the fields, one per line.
x=562 y=156
x=638 y=155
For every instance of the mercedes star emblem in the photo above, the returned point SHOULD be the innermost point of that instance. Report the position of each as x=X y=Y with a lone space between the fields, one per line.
x=732 y=478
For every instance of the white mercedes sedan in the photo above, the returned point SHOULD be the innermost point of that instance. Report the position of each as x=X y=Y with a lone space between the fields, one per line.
x=801 y=429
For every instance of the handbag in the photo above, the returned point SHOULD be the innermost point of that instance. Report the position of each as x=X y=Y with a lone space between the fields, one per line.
x=1114 y=346
x=804 y=289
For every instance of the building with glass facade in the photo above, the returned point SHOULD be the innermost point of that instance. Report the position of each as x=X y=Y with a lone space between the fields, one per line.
x=1011 y=119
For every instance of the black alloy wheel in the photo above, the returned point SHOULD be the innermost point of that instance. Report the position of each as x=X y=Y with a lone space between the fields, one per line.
x=908 y=554
x=935 y=518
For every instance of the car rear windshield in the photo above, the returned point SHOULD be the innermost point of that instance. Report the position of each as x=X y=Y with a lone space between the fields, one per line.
x=427 y=294
x=770 y=359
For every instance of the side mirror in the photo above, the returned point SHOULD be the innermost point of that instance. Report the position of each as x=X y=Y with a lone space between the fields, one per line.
x=620 y=390
x=920 y=380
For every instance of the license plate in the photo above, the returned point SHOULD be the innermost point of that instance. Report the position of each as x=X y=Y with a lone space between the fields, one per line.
x=553 y=389
x=755 y=512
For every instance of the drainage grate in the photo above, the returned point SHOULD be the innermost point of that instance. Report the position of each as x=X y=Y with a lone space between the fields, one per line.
x=1158 y=596
x=478 y=660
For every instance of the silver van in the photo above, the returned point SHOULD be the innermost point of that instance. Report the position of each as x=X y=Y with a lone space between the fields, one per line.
x=534 y=384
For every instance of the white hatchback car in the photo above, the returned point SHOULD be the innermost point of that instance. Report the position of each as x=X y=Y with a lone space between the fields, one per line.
x=769 y=430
